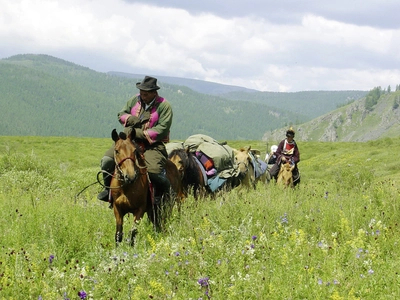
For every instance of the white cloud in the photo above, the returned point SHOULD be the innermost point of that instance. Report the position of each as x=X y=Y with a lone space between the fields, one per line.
x=252 y=50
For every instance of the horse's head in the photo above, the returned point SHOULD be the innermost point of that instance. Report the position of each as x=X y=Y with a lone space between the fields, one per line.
x=179 y=157
x=285 y=176
x=243 y=159
x=125 y=155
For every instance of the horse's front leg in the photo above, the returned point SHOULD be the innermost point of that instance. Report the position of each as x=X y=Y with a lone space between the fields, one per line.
x=134 y=232
x=119 y=219
x=136 y=221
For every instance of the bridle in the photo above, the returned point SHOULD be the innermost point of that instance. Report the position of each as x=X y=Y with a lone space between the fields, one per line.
x=246 y=166
x=140 y=170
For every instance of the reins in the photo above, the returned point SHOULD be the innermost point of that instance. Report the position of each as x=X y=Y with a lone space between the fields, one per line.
x=137 y=171
x=98 y=181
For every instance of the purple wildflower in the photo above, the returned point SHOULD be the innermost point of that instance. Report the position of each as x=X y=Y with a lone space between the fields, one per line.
x=51 y=258
x=82 y=294
x=203 y=281
x=254 y=237
x=205 y=284
x=284 y=219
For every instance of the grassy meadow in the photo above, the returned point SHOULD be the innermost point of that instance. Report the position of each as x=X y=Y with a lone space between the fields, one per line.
x=334 y=237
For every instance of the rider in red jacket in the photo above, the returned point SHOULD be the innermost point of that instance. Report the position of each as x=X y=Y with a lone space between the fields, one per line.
x=287 y=151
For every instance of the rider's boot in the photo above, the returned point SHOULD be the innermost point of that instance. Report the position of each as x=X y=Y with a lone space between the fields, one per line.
x=107 y=167
x=162 y=185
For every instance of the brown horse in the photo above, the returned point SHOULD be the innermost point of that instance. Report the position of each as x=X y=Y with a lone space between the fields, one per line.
x=285 y=175
x=190 y=172
x=246 y=167
x=130 y=187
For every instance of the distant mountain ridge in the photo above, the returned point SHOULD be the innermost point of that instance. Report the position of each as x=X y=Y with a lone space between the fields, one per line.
x=50 y=96
x=200 y=86
x=318 y=102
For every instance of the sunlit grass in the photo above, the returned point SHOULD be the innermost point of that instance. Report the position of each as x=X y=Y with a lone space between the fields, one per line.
x=336 y=237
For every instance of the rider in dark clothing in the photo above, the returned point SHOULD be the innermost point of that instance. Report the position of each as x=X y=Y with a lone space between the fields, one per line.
x=287 y=151
x=149 y=117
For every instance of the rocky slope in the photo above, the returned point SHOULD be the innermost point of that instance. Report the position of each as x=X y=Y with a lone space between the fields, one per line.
x=352 y=122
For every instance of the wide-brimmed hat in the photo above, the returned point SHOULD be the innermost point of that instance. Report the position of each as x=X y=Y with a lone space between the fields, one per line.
x=148 y=84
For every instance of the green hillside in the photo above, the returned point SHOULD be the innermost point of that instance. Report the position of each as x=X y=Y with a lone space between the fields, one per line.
x=369 y=118
x=42 y=95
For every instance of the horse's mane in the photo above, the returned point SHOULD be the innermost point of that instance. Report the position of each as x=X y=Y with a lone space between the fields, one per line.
x=179 y=152
x=138 y=149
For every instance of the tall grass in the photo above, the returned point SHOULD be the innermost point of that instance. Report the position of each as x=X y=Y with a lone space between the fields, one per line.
x=335 y=237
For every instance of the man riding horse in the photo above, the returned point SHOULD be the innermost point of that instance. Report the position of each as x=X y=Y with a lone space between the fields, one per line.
x=287 y=152
x=148 y=118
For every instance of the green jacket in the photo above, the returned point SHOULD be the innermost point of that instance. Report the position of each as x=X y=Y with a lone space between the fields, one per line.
x=157 y=128
x=153 y=131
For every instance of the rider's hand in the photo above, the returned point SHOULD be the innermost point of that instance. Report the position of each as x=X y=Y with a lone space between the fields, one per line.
x=283 y=159
x=132 y=121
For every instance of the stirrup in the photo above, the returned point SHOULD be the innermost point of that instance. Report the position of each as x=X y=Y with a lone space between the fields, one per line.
x=157 y=200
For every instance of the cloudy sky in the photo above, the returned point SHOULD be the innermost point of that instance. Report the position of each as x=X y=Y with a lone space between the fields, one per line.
x=278 y=45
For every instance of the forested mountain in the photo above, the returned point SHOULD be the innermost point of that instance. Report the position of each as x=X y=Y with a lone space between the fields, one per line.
x=47 y=96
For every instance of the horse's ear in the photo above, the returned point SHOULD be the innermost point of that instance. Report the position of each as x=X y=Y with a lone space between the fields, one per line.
x=114 y=135
x=187 y=149
x=122 y=135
